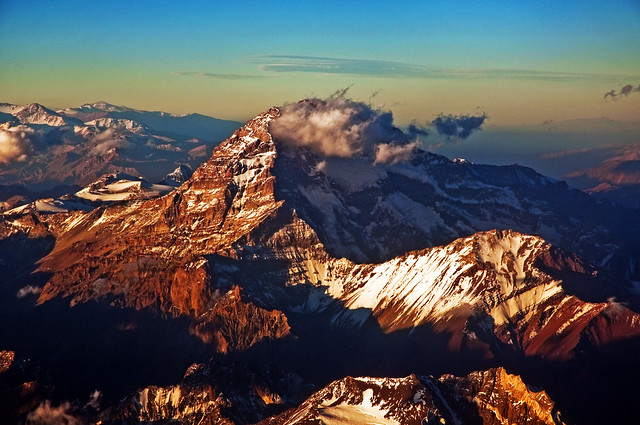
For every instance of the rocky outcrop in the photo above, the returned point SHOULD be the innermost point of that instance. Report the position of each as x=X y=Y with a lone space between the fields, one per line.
x=199 y=403
x=500 y=398
x=233 y=324
x=213 y=393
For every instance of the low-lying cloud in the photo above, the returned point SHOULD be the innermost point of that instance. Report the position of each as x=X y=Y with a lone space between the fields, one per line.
x=624 y=91
x=14 y=146
x=107 y=140
x=458 y=127
x=28 y=290
x=18 y=143
x=388 y=153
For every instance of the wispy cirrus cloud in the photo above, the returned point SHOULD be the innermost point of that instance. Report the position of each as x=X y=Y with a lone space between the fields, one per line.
x=287 y=63
x=218 y=75
x=364 y=67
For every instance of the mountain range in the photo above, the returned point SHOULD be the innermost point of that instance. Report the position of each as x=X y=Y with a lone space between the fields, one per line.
x=281 y=284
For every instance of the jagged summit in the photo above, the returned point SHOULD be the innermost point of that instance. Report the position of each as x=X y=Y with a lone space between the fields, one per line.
x=105 y=106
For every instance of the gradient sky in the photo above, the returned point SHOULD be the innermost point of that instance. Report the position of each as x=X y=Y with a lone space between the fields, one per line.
x=522 y=62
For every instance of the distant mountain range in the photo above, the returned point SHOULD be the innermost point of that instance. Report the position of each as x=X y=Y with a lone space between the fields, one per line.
x=76 y=146
x=617 y=177
x=197 y=126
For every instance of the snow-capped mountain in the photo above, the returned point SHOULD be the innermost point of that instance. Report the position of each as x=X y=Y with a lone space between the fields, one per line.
x=205 y=396
x=48 y=205
x=496 y=284
x=617 y=177
x=109 y=188
x=37 y=114
x=372 y=213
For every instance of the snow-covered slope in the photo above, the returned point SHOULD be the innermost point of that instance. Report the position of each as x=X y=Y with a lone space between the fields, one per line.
x=513 y=283
x=49 y=205
x=493 y=269
x=121 y=187
x=368 y=212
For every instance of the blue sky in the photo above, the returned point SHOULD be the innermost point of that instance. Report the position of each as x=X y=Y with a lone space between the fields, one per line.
x=523 y=62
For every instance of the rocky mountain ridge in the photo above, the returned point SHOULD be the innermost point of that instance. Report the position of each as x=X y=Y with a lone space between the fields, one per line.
x=490 y=397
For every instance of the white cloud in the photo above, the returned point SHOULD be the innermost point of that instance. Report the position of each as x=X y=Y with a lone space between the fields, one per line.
x=107 y=140
x=388 y=153
x=14 y=146
x=336 y=127
x=28 y=290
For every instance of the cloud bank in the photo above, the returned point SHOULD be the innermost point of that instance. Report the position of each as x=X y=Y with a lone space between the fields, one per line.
x=19 y=142
x=107 y=140
x=14 y=146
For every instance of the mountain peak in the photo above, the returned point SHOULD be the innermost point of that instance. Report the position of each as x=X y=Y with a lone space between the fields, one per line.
x=35 y=113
